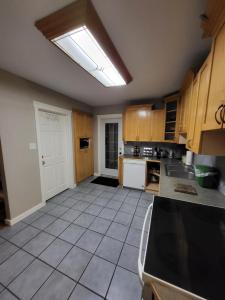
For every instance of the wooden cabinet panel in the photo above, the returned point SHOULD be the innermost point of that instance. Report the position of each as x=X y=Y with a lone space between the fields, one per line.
x=137 y=123
x=158 y=125
x=214 y=17
x=192 y=116
x=88 y=125
x=83 y=124
x=187 y=108
x=217 y=85
x=186 y=93
x=83 y=127
x=203 y=90
x=144 y=125
x=130 y=125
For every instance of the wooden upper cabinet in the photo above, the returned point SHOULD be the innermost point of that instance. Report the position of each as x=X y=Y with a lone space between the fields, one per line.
x=186 y=93
x=144 y=124
x=192 y=114
x=130 y=124
x=89 y=125
x=83 y=124
x=200 y=108
x=137 y=123
x=158 y=125
x=213 y=17
x=216 y=98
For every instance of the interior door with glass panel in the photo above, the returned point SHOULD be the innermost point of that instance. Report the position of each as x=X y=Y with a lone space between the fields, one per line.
x=111 y=145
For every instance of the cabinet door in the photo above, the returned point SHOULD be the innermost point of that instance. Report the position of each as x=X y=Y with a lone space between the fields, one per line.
x=79 y=121
x=88 y=125
x=215 y=12
x=186 y=116
x=158 y=125
x=131 y=125
x=203 y=89
x=192 y=116
x=144 y=124
x=181 y=112
x=217 y=85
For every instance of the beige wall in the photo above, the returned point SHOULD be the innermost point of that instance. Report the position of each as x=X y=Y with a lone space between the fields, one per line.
x=17 y=130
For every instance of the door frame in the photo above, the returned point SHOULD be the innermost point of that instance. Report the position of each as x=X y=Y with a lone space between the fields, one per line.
x=99 y=119
x=39 y=106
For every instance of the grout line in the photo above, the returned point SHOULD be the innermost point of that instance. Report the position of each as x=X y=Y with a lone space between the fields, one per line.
x=74 y=245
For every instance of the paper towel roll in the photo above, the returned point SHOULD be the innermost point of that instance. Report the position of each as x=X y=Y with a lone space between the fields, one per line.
x=189 y=157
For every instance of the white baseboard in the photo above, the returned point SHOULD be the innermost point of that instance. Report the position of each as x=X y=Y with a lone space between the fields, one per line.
x=24 y=214
x=73 y=186
x=96 y=174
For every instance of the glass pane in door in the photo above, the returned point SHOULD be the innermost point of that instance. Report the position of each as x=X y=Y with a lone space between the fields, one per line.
x=111 y=145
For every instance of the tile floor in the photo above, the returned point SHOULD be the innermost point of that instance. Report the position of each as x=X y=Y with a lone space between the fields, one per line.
x=83 y=245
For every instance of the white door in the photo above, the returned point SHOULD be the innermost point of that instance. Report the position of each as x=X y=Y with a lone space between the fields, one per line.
x=111 y=145
x=53 y=153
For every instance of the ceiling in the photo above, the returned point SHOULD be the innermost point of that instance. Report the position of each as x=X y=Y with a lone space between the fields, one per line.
x=157 y=39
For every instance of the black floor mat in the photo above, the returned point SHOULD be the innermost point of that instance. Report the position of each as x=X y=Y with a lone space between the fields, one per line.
x=106 y=181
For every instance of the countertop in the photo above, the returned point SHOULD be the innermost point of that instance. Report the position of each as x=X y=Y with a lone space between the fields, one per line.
x=186 y=247
x=167 y=185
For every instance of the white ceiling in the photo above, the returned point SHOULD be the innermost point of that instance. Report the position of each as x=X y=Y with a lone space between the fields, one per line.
x=157 y=39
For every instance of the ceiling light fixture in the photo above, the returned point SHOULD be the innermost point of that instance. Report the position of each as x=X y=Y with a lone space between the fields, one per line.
x=78 y=32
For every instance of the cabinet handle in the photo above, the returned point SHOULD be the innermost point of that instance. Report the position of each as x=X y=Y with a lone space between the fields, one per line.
x=189 y=143
x=222 y=115
x=221 y=107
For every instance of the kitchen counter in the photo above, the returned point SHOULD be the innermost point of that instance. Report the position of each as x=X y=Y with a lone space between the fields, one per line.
x=167 y=185
x=186 y=247
x=146 y=158
x=205 y=196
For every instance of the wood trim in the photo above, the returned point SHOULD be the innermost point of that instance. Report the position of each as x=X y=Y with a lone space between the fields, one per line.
x=214 y=18
x=188 y=79
x=77 y=14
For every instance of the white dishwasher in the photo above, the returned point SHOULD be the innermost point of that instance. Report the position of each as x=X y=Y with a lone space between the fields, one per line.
x=134 y=173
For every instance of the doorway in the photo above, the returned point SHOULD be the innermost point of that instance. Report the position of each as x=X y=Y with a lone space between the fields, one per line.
x=54 y=138
x=110 y=144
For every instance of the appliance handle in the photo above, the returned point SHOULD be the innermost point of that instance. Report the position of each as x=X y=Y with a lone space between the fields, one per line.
x=140 y=265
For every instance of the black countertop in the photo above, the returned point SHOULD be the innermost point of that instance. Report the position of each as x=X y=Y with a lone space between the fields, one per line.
x=187 y=246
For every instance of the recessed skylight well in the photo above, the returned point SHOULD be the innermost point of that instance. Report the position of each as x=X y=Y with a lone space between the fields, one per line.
x=85 y=41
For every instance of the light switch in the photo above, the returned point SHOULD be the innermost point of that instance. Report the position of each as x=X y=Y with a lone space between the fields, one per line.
x=32 y=146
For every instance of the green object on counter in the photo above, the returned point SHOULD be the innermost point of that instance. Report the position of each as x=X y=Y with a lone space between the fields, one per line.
x=206 y=176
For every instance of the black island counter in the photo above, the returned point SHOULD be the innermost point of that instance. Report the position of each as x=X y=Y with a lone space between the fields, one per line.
x=185 y=250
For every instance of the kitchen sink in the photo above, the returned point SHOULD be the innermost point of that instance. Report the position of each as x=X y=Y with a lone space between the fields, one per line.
x=180 y=171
